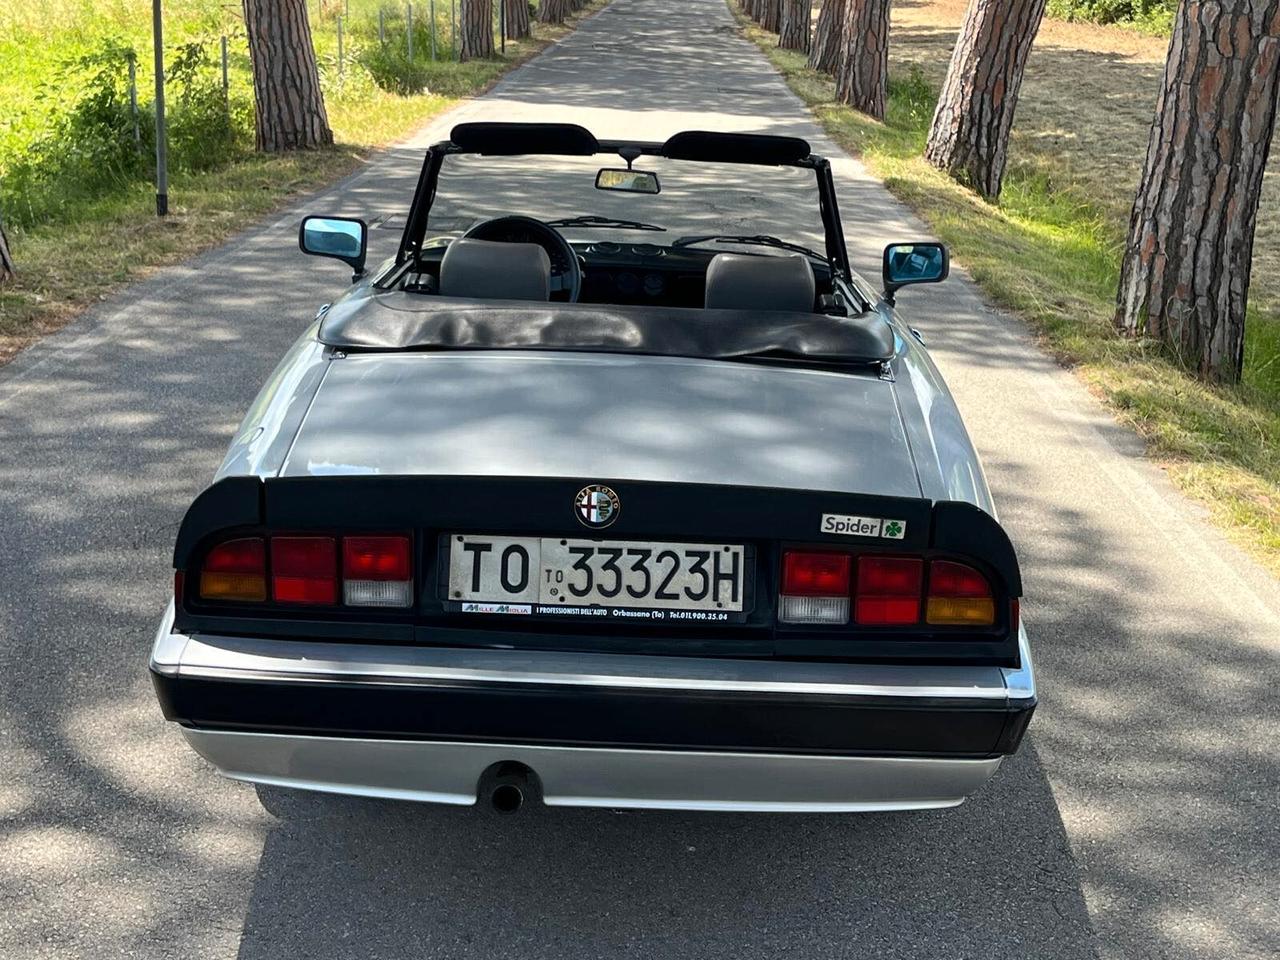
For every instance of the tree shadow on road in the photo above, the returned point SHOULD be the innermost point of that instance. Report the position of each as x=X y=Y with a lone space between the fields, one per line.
x=349 y=878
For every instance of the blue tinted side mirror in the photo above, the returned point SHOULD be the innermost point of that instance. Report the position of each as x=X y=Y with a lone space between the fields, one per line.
x=342 y=238
x=908 y=263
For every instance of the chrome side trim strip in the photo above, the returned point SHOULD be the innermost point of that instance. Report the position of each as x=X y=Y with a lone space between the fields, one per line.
x=441 y=772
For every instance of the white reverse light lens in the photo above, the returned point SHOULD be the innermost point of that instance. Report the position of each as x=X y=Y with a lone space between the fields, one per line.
x=814 y=610
x=377 y=593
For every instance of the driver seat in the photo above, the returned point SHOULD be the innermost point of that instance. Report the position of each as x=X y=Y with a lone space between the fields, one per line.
x=489 y=270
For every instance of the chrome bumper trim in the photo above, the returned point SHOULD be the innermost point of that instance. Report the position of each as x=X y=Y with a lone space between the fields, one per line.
x=442 y=772
x=300 y=661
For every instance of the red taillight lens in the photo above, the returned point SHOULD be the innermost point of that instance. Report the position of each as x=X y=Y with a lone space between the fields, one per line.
x=377 y=572
x=959 y=595
x=815 y=574
x=815 y=588
x=304 y=570
x=888 y=591
x=375 y=558
x=236 y=571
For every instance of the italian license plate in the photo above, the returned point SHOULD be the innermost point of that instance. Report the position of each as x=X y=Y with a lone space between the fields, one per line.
x=620 y=578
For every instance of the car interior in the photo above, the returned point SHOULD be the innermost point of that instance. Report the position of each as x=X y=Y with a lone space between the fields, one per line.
x=611 y=272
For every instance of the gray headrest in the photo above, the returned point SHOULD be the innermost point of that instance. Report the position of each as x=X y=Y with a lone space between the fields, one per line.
x=740 y=281
x=495 y=271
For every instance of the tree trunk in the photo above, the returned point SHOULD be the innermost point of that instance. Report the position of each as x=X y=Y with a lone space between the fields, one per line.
x=475 y=29
x=1185 y=274
x=771 y=15
x=862 y=74
x=553 y=11
x=7 y=268
x=824 y=52
x=517 y=19
x=290 y=112
x=969 y=138
x=793 y=34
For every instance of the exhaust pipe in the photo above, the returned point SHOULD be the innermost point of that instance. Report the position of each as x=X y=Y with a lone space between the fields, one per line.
x=507 y=797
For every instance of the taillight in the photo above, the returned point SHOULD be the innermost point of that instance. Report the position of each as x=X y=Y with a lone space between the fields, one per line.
x=376 y=572
x=958 y=595
x=304 y=570
x=888 y=591
x=235 y=570
x=815 y=588
x=373 y=571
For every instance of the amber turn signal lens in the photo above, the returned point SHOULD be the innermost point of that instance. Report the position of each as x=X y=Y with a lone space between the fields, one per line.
x=969 y=611
x=235 y=570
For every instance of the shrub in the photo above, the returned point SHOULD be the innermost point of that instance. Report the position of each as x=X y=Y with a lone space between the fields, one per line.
x=1155 y=14
x=88 y=145
x=206 y=130
x=392 y=70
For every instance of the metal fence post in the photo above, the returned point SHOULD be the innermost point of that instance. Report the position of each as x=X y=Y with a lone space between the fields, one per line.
x=133 y=100
x=382 y=30
x=408 y=26
x=226 y=81
x=433 y=29
x=340 y=19
x=162 y=142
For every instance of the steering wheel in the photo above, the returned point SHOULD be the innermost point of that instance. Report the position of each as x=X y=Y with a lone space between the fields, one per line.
x=566 y=273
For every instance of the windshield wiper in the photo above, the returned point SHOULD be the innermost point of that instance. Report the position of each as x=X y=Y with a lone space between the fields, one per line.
x=759 y=240
x=593 y=221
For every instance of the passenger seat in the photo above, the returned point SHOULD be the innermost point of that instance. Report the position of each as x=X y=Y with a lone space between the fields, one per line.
x=739 y=281
x=488 y=270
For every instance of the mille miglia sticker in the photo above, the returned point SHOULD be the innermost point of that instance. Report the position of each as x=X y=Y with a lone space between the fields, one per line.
x=863 y=526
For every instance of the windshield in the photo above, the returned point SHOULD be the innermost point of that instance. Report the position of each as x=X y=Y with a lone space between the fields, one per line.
x=696 y=199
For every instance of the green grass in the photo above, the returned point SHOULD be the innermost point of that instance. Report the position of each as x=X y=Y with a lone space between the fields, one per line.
x=1051 y=256
x=106 y=216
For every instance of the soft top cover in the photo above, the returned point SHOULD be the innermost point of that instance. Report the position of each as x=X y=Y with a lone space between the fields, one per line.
x=405 y=321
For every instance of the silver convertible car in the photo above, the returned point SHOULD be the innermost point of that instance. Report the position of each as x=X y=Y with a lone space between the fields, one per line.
x=539 y=511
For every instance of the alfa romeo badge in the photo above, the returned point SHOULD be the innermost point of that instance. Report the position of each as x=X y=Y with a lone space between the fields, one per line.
x=596 y=506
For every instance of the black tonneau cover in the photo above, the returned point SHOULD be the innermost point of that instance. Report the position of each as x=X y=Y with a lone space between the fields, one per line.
x=407 y=321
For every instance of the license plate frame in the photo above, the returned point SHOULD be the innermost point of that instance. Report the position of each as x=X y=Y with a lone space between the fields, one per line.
x=620 y=608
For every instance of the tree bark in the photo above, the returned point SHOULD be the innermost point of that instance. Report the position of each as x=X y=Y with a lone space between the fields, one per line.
x=793 y=34
x=771 y=15
x=7 y=268
x=824 y=52
x=1184 y=277
x=517 y=19
x=290 y=112
x=862 y=73
x=475 y=29
x=969 y=138
x=553 y=11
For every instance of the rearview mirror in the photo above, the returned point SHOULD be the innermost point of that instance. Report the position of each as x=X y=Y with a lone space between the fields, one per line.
x=343 y=238
x=628 y=181
x=908 y=263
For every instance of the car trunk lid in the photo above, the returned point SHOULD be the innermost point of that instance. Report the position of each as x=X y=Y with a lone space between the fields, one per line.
x=661 y=419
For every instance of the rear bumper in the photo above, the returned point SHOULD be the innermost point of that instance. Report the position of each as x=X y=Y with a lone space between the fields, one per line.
x=595 y=730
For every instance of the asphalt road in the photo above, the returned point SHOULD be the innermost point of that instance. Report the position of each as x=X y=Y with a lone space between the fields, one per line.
x=1140 y=820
